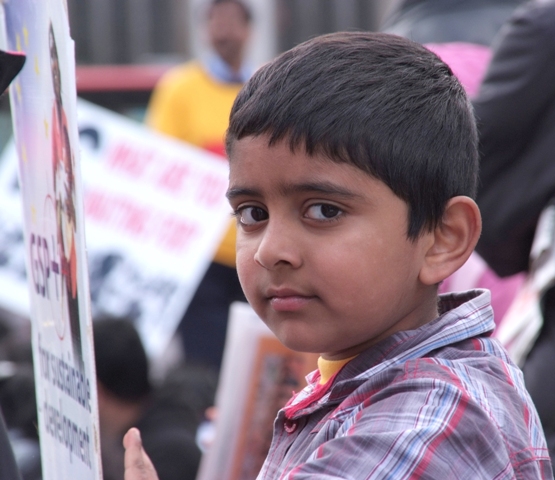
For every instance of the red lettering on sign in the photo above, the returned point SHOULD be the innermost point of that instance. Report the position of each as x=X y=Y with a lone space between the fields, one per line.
x=173 y=177
x=135 y=217
x=130 y=160
x=176 y=233
x=211 y=190
x=96 y=205
x=121 y=213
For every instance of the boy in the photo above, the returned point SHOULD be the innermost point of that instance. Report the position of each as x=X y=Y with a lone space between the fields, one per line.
x=353 y=161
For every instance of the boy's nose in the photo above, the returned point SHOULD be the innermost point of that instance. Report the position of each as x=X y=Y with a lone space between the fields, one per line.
x=279 y=246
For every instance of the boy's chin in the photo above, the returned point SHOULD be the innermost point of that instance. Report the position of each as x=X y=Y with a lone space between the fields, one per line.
x=297 y=343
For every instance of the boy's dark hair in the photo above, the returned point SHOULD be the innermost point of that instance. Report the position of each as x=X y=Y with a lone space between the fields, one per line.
x=377 y=101
x=242 y=5
x=120 y=358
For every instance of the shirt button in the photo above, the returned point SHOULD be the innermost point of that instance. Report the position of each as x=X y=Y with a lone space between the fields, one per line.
x=290 y=425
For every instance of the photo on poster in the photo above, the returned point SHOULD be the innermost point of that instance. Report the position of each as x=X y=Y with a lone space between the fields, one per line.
x=63 y=204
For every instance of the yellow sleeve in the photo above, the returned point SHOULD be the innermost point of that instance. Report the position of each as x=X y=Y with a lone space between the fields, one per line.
x=166 y=111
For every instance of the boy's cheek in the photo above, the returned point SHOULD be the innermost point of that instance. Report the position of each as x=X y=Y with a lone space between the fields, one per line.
x=245 y=264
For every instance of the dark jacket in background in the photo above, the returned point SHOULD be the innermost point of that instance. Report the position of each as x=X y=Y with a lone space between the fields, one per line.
x=169 y=440
x=515 y=109
x=443 y=21
x=8 y=468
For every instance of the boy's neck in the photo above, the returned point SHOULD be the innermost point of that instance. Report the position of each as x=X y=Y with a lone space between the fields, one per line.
x=328 y=368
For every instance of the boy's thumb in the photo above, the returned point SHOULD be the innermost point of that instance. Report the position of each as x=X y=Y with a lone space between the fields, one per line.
x=132 y=439
x=137 y=464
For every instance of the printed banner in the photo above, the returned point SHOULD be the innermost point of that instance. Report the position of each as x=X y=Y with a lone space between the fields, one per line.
x=43 y=102
x=155 y=212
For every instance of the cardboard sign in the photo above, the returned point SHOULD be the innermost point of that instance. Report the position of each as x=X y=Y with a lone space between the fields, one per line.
x=156 y=212
x=43 y=101
x=257 y=379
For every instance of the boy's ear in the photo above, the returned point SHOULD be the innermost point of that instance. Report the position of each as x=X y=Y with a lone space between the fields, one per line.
x=453 y=240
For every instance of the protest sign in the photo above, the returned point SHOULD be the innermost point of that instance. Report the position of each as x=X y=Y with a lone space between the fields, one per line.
x=258 y=377
x=44 y=117
x=155 y=211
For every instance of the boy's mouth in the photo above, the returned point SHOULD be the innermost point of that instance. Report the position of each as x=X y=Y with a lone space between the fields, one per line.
x=287 y=300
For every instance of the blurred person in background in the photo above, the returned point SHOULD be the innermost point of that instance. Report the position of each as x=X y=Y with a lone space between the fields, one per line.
x=10 y=65
x=18 y=402
x=168 y=415
x=8 y=468
x=17 y=395
x=19 y=407
x=192 y=102
x=515 y=110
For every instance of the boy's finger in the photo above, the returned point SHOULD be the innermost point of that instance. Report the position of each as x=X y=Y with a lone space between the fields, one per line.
x=137 y=464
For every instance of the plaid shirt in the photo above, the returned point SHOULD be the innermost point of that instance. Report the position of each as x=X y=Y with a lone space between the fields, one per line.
x=440 y=402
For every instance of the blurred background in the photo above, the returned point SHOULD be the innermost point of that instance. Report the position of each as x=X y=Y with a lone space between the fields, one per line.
x=124 y=46
x=154 y=31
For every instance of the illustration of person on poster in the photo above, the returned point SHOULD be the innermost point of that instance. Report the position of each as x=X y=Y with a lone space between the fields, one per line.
x=64 y=190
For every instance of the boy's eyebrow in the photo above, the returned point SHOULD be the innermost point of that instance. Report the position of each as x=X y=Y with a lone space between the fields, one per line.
x=326 y=188
x=241 y=192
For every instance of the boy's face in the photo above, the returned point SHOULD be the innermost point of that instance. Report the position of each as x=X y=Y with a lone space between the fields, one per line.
x=322 y=250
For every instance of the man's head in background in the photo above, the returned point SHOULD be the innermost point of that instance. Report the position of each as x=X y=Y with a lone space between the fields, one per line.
x=229 y=29
x=122 y=371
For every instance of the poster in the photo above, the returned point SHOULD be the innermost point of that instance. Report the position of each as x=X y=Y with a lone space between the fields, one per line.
x=257 y=379
x=155 y=212
x=43 y=101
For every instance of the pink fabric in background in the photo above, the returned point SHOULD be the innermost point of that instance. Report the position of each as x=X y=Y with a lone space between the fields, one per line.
x=476 y=274
x=468 y=61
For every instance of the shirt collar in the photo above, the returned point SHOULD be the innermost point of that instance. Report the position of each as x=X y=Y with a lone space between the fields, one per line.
x=462 y=315
x=221 y=71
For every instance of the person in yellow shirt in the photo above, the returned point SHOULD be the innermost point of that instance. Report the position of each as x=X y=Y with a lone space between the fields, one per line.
x=192 y=102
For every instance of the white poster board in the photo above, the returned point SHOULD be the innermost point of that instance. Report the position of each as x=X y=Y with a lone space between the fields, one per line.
x=44 y=117
x=158 y=206
x=155 y=212
x=257 y=377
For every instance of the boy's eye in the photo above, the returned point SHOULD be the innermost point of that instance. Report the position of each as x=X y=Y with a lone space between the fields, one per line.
x=323 y=211
x=251 y=215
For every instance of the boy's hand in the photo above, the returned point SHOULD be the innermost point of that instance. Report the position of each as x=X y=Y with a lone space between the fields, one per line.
x=137 y=464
